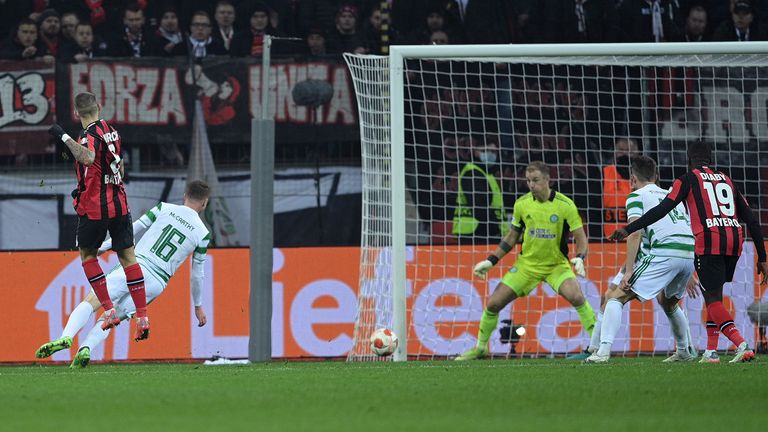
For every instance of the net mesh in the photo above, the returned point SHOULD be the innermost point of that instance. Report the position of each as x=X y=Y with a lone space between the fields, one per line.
x=581 y=116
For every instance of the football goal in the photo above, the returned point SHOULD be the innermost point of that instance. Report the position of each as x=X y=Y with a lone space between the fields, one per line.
x=446 y=135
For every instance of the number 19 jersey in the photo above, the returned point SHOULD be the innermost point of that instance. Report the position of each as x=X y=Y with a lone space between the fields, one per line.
x=176 y=232
x=711 y=199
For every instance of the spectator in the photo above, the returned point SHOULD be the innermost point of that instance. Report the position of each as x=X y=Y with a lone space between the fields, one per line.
x=742 y=25
x=87 y=45
x=200 y=43
x=316 y=43
x=566 y=21
x=132 y=40
x=347 y=38
x=479 y=214
x=373 y=33
x=251 y=41
x=616 y=185
x=695 y=25
x=439 y=37
x=23 y=45
x=69 y=21
x=434 y=21
x=322 y=13
x=646 y=21
x=49 y=30
x=167 y=36
x=224 y=15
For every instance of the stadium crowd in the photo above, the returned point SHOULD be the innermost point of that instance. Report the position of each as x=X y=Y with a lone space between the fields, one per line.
x=506 y=112
x=72 y=30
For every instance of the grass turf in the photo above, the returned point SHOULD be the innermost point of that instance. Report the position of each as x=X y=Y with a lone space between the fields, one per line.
x=548 y=394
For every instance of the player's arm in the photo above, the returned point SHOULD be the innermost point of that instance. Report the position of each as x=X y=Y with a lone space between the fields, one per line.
x=196 y=277
x=83 y=154
x=141 y=225
x=745 y=213
x=633 y=246
x=582 y=245
x=680 y=190
x=506 y=245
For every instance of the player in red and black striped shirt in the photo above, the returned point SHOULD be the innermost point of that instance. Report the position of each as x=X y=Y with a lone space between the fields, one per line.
x=102 y=206
x=715 y=206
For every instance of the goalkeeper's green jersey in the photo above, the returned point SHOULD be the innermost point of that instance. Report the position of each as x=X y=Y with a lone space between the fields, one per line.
x=545 y=227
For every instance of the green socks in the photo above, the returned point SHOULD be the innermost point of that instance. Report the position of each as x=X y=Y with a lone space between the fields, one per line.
x=586 y=316
x=487 y=325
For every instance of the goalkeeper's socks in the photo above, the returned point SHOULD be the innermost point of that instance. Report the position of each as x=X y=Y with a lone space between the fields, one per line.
x=587 y=317
x=98 y=282
x=611 y=324
x=723 y=319
x=594 y=340
x=134 y=278
x=488 y=324
x=77 y=319
x=679 y=324
x=713 y=335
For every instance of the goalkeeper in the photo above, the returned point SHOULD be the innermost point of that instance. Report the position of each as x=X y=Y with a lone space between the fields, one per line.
x=546 y=217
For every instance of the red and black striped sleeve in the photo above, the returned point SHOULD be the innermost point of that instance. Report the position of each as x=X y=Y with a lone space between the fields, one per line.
x=680 y=190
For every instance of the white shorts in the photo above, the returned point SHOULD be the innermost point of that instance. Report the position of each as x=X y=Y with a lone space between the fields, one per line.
x=121 y=298
x=654 y=274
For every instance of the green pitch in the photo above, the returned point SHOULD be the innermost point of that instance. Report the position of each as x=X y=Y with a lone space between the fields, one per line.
x=551 y=395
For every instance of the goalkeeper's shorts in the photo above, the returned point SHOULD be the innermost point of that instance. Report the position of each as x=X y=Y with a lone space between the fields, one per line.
x=523 y=278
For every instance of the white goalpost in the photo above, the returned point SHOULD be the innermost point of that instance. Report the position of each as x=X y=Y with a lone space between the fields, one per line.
x=430 y=118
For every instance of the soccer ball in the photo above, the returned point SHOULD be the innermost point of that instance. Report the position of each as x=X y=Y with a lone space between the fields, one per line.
x=383 y=342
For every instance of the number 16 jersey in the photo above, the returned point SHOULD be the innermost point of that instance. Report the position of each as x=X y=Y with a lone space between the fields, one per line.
x=713 y=203
x=175 y=232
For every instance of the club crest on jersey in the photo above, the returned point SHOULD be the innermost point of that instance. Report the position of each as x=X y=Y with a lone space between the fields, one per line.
x=554 y=218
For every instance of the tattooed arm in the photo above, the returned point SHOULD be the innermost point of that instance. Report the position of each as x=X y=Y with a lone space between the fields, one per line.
x=82 y=154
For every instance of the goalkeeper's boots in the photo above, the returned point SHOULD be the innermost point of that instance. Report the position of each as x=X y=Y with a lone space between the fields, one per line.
x=710 y=356
x=683 y=356
x=48 y=349
x=110 y=319
x=743 y=354
x=82 y=358
x=597 y=358
x=142 y=329
x=473 y=354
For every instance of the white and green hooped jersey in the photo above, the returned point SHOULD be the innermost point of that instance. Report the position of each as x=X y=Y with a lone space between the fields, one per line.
x=671 y=236
x=175 y=232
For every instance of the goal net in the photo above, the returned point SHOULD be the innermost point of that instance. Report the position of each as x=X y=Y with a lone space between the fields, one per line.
x=447 y=132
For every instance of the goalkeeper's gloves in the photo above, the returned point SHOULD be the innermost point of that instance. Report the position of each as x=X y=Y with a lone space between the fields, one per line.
x=578 y=265
x=484 y=266
x=57 y=132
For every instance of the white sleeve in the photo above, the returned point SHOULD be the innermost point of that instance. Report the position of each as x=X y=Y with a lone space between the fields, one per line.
x=138 y=228
x=197 y=272
x=196 y=276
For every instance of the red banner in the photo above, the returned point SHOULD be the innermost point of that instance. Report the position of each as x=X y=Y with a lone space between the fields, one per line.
x=27 y=106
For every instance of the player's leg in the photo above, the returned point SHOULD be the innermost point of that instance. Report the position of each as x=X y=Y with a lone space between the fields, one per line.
x=614 y=304
x=121 y=230
x=564 y=282
x=90 y=235
x=714 y=271
x=125 y=306
x=669 y=299
x=713 y=337
x=517 y=282
x=75 y=322
x=95 y=337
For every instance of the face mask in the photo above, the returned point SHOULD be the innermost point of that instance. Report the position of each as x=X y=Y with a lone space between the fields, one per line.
x=488 y=157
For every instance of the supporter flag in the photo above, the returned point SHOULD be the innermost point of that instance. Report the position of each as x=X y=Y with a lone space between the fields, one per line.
x=201 y=167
